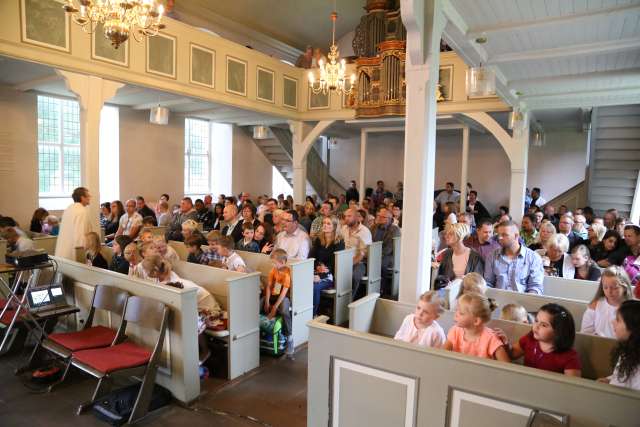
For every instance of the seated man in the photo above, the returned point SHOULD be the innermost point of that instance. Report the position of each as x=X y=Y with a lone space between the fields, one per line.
x=565 y=226
x=204 y=215
x=482 y=241
x=144 y=210
x=356 y=236
x=233 y=228
x=131 y=222
x=384 y=231
x=16 y=242
x=513 y=266
x=293 y=239
x=174 y=231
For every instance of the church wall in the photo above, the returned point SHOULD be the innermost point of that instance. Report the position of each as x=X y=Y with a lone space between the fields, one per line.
x=251 y=170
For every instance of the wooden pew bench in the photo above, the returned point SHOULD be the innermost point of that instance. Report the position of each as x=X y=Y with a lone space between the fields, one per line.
x=581 y=290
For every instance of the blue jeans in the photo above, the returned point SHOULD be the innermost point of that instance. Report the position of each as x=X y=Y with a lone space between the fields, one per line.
x=318 y=287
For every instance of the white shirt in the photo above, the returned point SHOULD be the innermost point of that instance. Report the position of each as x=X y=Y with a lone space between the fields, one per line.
x=206 y=301
x=127 y=223
x=234 y=262
x=633 y=382
x=599 y=321
x=74 y=226
x=348 y=235
x=296 y=245
x=431 y=336
x=443 y=197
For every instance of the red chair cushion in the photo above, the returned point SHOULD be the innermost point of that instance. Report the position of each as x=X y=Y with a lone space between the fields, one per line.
x=94 y=337
x=110 y=359
x=8 y=315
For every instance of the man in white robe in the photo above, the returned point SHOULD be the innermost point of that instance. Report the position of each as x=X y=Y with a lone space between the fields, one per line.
x=75 y=224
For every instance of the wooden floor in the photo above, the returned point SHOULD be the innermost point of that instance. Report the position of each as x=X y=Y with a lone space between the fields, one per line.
x=273 y=395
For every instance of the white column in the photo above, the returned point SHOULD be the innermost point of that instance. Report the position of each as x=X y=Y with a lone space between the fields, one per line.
x=424 y=21
x=519 y=166
x=92 y=92
x=363 y=162
x=465 y=166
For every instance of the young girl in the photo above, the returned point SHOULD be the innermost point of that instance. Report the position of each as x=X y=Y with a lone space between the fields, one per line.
x=549 y=344
x=614 y=288
x=93 y=256
x=626 y=355
x=471 y=282
x=470 y=335
x=118 y=263
x=585 y=268
x=421 y=327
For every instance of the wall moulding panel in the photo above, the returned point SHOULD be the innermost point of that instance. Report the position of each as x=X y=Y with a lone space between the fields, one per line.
x=80 y=59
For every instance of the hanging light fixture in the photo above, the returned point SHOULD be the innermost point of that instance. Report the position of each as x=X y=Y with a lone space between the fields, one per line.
x=332 y=72
x=481 y=81
x=119 y=18
x=159 y=115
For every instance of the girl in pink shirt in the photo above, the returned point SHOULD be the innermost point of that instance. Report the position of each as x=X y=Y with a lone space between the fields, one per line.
x=470 y=335
x=421 y=328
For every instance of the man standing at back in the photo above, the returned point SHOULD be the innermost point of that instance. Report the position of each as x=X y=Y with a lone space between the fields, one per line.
x=352 y=193
x=447 y=195
x=75 y=224
x=513 y=266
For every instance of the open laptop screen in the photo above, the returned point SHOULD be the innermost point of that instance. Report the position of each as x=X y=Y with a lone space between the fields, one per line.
x=40 y=297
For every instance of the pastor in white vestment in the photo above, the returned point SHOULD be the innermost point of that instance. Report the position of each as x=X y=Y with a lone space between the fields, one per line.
x=75 y=224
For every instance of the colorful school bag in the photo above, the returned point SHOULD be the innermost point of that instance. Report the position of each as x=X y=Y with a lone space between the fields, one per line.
x=272 y=340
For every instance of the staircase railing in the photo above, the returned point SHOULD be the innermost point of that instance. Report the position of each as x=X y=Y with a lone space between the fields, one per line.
x=574 y=198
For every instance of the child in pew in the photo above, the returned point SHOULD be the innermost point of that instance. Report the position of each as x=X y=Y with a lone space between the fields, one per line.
x=230 y=259
x=93 y=256
x=471 y=282
x=626 y=356
x=549 y=344
x=421 y=328
x=196 y=255
x=276 y=300
x=514 y=313
x=132 y=255
x=146 y=236
x=164 y=250
x=615 y=287
x=470 y=335
x=52 y=226
x=118 y=263
x=585 y=267
x=214 y=259
x=247 y=243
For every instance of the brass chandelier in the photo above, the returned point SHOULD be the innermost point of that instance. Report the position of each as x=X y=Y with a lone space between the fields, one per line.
x=119 y=18
x=332 y=73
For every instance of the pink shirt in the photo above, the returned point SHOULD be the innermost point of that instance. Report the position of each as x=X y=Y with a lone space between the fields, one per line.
x=484 y=346
x=431 y=336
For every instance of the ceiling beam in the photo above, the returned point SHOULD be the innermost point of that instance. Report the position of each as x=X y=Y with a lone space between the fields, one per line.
x=523 y=85
x=608 y=46
x=474 y=33
x=36 y=83
x=594 y=98
x=163 y=103
x=260 y=122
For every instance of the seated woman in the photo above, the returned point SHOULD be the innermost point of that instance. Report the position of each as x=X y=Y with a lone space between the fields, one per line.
x=323 y=250
x=110 y=228
x=585 y=268
x=190 y=228
x=263 y=236
x=595 y=234
x=309 y=214
x=458 y=260
x=555 y=259
x=631 y=262
x=606 y=248
x=547 y=231
x=248 y=213
x=93 y=256
x=209 y=311
x=37 y=220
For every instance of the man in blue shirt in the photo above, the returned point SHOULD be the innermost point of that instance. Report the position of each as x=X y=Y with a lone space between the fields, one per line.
x=513 y=266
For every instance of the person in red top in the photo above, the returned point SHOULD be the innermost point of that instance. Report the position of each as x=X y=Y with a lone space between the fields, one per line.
x=549 y=345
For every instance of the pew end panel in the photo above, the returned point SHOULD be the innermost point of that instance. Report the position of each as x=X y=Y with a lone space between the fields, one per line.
x=301 y=298
x=358 y=378
x=395 y=284
x=48 y=243
x=374 y=268
x=343 y=284
x=180 y=354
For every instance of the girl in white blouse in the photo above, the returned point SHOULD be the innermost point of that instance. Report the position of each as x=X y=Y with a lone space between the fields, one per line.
x=421 y=327
x=626 y=355
x=615 y=287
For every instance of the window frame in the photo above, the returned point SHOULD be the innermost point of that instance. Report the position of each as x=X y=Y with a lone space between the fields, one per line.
x=188 y=190
x=60 y=145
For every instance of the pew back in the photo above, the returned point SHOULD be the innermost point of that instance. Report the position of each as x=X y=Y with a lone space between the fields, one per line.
x=3 y=250
x=180 y=248
x=238 y=294
x=158 y=231
x=48 y=243
x=342 y=281
x=180 y=375
x=374 y=267
x=580 y=290
x=395 y=284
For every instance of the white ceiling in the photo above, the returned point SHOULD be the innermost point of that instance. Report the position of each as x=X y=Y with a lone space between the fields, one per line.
x=553 y=53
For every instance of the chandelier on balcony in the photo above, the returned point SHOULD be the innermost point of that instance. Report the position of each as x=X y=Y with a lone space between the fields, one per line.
x=119 y=18
x=332 y=72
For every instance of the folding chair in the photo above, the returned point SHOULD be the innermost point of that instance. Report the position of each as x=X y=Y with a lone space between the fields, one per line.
x=63 y=345
x=127 y=358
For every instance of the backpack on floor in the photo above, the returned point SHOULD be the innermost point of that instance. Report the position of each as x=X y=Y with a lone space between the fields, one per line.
x=272 y=340
x=116 y=407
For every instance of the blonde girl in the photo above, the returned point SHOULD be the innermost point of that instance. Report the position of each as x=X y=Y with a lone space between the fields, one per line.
x=93 y=257
x=420 y=327
x=614 y=289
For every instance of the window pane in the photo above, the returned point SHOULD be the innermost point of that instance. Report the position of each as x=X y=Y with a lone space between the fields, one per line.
x=49 y=166
x=48 y=119
x=70 y=122
x=71 y=168
x=196 y=162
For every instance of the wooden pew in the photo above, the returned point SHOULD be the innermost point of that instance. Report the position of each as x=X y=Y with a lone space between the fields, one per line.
x=374 y=268
x=395 y=284
x=158 y=231
x=363 y=377
x=238 y=294
x=180 y=249
x=341 y=293
x=46 y=242
x=180 y=359
x=581 y=290
x=532 y=302
x=3 y=250
x=301 y=294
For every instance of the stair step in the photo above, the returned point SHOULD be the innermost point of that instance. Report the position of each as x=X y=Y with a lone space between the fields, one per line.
x=267 y=142
x=624 y=209
x=628 y=121
x=617 y=133
x=618 y=154
x=619 y=110
x=611 y=198
x=618 y=144
x=613 y=182
x=617 y=165
x=615 y=173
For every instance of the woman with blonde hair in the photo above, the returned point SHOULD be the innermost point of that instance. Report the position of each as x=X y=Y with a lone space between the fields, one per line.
x=614 y=289
x=323 y=251
x=92 y=251
x=458 y=260
x=555 y=259
x=547 y=231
